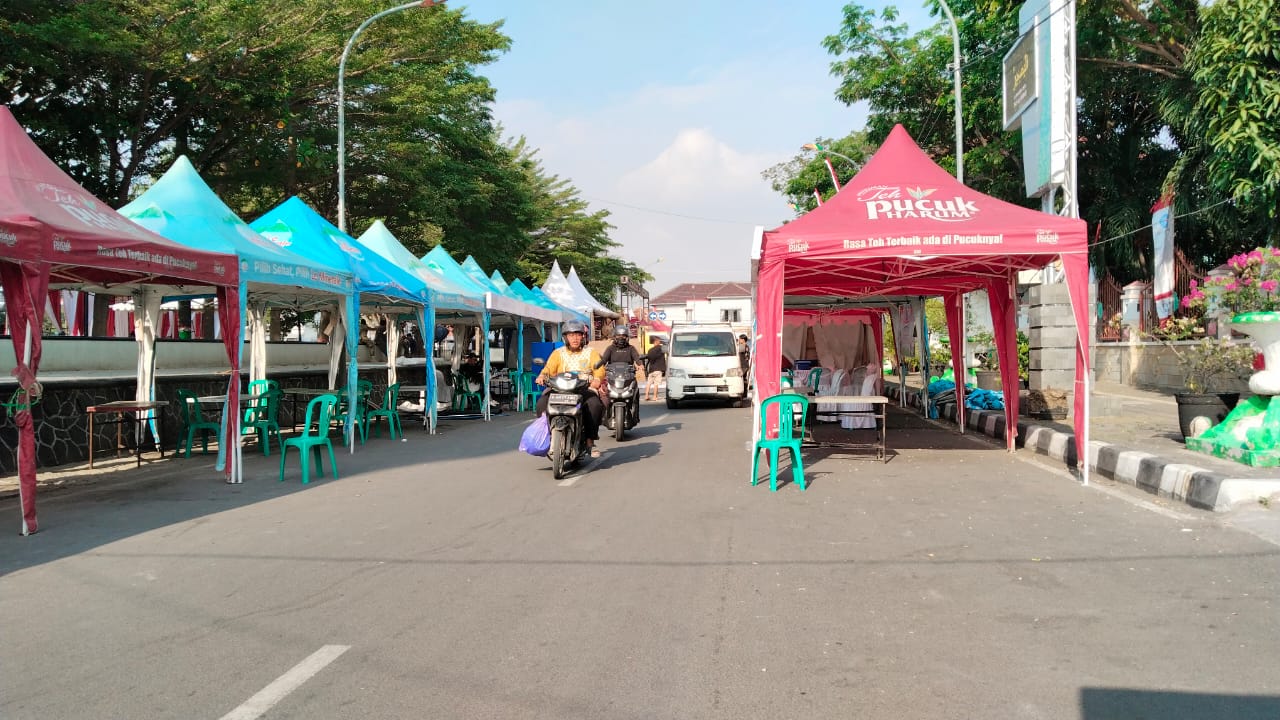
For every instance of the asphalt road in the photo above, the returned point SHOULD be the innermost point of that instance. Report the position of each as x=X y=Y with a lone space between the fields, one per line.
x=452 y=577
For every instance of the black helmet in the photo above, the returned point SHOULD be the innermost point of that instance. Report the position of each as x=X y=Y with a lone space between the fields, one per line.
x=621 y=336
x=574 y=326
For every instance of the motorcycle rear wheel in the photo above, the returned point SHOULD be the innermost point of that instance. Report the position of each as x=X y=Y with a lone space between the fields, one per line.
x=557 y=453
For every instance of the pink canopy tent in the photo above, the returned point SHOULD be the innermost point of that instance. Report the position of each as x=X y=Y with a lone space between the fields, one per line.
x=903 y=227
x=53 y=232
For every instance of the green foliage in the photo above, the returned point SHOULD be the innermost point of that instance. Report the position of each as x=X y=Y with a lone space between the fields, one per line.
x=1251 y=285
x=114 y=90
x=799 y=177
x=1024 y=356
x=1201 y=75
x=1232 y=113
x=906 y=78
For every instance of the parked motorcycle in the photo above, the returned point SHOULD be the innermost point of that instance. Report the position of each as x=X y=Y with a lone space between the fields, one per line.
x=565 y=411
x=624 y=398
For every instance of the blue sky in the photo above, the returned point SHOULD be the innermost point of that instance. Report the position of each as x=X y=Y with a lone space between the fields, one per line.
x=666 y=113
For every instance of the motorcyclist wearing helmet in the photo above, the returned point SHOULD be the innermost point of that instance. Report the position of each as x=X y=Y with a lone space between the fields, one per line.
x=620 y=350
x=577 y=357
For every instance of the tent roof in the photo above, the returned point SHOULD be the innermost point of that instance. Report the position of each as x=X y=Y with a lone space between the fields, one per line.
x=183 y=208
x=598 y=307
x=442 y=263
x=536 y=296
x=294 y=225
x=444 y=295
x=46 y=216
x=904 y=226
x=563 y=292
x=509 y=302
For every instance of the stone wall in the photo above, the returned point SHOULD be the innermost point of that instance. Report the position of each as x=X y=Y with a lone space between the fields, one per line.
x=62 y=426
x=1051 y=336
x=1149 y=365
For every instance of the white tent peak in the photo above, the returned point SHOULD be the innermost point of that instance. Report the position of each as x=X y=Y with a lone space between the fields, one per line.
x=597 y=307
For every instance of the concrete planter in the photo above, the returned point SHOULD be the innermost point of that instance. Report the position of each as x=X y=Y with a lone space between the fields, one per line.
x=989 y=380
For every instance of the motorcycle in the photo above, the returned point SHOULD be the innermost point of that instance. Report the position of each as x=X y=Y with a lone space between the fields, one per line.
x=565 y=412
x=624 y=398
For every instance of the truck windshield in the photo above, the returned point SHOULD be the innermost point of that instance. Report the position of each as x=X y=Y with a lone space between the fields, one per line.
x=703 y=345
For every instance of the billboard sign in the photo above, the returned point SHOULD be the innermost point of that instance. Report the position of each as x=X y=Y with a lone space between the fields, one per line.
x=1020 y=77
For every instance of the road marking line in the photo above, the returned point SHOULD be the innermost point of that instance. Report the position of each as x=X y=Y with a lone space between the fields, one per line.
x=568 y=482
x=266 y=698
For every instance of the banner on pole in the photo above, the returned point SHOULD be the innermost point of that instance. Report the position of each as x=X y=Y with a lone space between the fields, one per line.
x=1162 y=259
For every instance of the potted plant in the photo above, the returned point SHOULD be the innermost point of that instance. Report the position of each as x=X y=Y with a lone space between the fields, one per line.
x=987 y=374
x=1247 y=289
x=1204 y=365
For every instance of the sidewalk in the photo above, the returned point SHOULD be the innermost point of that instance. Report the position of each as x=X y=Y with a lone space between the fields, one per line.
x=1133 y=439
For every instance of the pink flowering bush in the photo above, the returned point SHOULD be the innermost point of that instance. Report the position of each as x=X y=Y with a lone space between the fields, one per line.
x=1252 y=286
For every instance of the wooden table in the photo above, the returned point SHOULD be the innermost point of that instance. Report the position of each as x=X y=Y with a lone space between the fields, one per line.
x=830 y=405
x=118 y=409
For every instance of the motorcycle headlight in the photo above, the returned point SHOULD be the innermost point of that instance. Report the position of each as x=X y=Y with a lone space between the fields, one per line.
x=676 y=374
x=733 y=372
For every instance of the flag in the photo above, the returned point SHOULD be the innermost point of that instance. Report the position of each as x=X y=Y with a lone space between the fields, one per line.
x=1162 y=259
x=834 y=180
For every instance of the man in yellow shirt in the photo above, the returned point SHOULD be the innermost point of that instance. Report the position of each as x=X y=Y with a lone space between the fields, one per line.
x=576 y=357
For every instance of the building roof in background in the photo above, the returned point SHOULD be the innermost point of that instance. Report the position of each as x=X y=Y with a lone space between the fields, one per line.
x=685 y=292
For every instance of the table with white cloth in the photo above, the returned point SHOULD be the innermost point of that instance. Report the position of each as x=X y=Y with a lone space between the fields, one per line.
x=416 y=390
x=869 y=406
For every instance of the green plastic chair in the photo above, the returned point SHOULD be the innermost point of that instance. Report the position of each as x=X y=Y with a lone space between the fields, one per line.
x=789 y=436
x=263 y=417
x=463 y=395
x=388 y=411
x=528 y=391
x=315 y=433
x=193 y=421
x=257 y=387
x=361 y=418
x=815 y=376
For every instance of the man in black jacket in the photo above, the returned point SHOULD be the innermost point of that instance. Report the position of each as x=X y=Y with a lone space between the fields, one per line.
x=655 y=366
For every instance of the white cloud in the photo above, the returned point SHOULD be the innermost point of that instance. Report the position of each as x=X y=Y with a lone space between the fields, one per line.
x=678 y=165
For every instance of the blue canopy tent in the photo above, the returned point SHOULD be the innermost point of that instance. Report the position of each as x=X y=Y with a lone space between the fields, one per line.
x=440 y=262
x=183 y=208
x=536 y=296
x=379 y=284
x=448 y=301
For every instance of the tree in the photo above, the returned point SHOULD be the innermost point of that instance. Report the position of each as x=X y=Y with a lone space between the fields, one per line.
x=564 y=229
x=114 y=90
x=1226 y=115
x=1131 y=58
x=799 y=177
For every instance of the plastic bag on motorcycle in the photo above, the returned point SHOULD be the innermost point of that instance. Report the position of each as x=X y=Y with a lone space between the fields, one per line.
x=536 y=439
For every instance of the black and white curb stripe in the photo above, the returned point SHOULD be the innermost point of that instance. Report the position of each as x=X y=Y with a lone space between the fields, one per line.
x=1193 y=485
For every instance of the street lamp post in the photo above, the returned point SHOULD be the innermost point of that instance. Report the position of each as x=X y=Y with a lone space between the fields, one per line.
x=955 y=65
x=342 y=130
x=824 y=149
